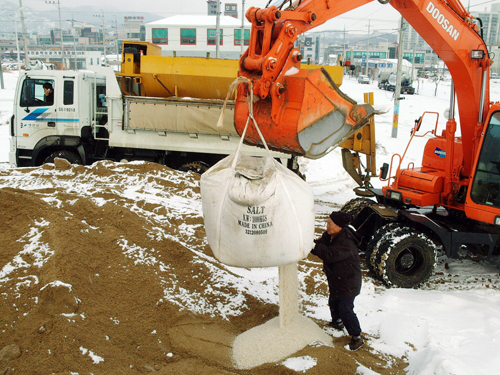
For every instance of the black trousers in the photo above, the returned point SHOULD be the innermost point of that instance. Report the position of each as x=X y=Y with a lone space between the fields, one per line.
x=343 y=309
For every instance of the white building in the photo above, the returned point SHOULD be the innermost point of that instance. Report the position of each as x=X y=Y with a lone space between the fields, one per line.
x=132 y=27
x=195 y=35
x=82 y=59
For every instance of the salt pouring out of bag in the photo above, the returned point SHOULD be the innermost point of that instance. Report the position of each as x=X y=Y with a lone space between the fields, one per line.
x=257 y=212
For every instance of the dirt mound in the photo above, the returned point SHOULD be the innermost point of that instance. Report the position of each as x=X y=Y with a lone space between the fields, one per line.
x=106 y=270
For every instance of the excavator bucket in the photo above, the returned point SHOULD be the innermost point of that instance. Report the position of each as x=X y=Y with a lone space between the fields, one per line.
x=310 y=117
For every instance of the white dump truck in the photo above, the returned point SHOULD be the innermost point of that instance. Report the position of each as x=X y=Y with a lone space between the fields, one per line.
x=161 y=109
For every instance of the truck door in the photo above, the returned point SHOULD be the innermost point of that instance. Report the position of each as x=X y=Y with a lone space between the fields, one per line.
x=37 y=101
x=46 y=116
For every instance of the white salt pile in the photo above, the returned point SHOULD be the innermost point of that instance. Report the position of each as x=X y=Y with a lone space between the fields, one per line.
x=271 y=343
x=281 y=336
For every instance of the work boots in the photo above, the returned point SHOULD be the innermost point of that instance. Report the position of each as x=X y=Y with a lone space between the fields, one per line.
x=356 y=343
x=337 y=324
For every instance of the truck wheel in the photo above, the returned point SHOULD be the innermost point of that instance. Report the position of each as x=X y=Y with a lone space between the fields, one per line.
x=195 y=166
x=67 y=155
x=405 y=258
x=354 y=206
x=378 y=244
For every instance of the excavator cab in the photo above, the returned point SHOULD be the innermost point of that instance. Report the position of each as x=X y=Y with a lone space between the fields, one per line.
x=484 y=197
x=485 y=188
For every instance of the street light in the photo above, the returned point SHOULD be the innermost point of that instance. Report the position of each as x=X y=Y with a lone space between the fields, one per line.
x=58 y=4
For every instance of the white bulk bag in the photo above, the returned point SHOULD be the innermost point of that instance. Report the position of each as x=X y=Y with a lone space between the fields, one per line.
x=257 y=212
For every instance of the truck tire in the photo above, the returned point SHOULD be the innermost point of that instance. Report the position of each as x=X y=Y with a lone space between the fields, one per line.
x=405 y=257
x=195 y=166
x=67 y=155
x=354 y=206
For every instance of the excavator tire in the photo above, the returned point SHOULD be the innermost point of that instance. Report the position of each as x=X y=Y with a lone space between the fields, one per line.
x=405 y=257
x=67 y=155
x=378 y=242
x=354 y=206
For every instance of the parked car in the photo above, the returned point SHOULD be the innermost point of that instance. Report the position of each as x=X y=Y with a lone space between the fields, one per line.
x=363 y=79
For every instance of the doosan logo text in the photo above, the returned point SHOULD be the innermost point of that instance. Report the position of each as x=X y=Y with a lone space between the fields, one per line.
x=442 y=20
x=440 y=153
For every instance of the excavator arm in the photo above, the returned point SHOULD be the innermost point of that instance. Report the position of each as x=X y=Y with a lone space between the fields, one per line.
x=298 y=111
x=304 y=113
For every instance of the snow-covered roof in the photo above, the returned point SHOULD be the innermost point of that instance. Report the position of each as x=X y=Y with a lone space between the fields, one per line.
x=198 y=20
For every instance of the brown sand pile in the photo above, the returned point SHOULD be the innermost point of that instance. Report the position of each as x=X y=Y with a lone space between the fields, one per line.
x=95 y=279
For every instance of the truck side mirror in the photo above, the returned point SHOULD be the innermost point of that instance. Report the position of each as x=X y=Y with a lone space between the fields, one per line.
x=384 y=170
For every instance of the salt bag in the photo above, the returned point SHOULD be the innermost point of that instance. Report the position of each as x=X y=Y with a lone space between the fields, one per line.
x=257 y=212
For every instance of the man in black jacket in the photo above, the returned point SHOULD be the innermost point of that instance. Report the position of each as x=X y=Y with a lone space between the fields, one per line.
x=338 y=249
x=49 y=93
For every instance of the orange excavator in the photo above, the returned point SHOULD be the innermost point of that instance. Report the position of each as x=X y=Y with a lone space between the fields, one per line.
x=451 y=203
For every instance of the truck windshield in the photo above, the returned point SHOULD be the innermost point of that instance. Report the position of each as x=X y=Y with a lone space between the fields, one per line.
x=486 y=185
x=37 y=93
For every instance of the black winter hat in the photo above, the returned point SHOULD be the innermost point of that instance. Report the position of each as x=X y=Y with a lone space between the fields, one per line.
x=341 y=218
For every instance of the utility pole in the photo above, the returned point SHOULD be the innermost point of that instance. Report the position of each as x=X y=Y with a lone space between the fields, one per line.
x=345 y=58
x=367 y=49
x=217 y=30
x=118 y=60
x=412 y=62
x=103 y=48
x=242 y=40
x=74 y=37
x=17 y=45
x=397 y=92
x=26 y=58
x=1 y=78
x=58 y=4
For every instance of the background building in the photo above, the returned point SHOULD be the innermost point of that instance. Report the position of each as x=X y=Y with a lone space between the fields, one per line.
x=491 y=24
x=195 y=35
x=231 y=10
x=133 y=28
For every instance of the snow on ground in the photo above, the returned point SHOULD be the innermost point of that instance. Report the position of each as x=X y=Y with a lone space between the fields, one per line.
x=449 y=326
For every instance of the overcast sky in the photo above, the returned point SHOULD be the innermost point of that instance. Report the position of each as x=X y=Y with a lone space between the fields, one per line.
x=374 y=15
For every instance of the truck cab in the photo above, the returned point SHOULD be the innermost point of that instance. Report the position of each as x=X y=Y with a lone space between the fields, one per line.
x=42 y=126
